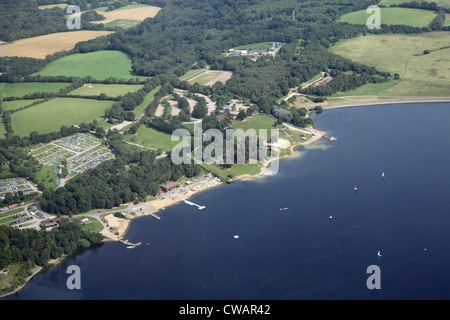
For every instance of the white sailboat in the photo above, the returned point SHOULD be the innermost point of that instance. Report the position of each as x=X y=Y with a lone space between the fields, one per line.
x=355 y=188
x=383 y=175
x=379 y=254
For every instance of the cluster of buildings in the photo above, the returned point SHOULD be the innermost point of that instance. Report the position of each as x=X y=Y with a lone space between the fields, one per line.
x=255 y=54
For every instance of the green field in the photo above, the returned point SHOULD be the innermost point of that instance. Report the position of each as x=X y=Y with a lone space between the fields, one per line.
x=149 y=137
x=393 y=16
x=111 y=90
x=99 y=65
x=53 y=114
x=203 y=78
x=421 y=74
x=20 y=89
x=440 y=3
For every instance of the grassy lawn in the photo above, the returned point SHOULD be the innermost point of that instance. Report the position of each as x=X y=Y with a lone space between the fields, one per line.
x=393 y=16
x=233 y=172
x=111 y=90
x=53 y=114
x=99 y=65
x=20 y=89
x=45 y=175
x=421 y=74
x=263 y=121
x=93 y=225
x=440 y=3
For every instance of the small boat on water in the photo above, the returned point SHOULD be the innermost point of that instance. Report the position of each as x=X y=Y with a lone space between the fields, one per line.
x=355 y=188
x=333 y=139
x=331 y=217
x=379 y=254
x=282 y=209
x=383 y=175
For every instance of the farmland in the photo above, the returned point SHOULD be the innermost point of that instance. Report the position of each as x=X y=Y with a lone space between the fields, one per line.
x=393 y=16
x=41 y=46
x=99 y=65
x=51 y=115
x=135 y=13
x=421 y=74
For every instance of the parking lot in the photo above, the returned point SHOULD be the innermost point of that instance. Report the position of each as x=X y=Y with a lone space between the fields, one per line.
x=14 y=185
x=21 y=217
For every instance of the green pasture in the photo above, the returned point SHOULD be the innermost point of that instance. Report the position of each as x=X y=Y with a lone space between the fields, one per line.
x=99 y=65
x=17 y=104
x=21 y=89
x=53 y=114
x=111 y=90
x=420 y=74
x=393 y=16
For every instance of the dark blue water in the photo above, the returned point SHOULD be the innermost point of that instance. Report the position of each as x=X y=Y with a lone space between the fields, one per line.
x=298 y=253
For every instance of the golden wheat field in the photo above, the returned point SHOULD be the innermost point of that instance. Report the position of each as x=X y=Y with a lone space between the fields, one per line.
x=41 y=46
x=139 y=14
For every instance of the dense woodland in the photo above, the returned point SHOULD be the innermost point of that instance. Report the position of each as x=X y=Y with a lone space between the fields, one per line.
x=184 y=32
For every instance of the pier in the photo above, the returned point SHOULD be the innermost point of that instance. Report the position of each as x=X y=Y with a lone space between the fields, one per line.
x=330 y=138
x=129 y=244
x=194 y=204
x=155 y=215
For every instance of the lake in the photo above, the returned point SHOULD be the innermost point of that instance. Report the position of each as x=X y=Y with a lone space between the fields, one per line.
x=298 y=253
